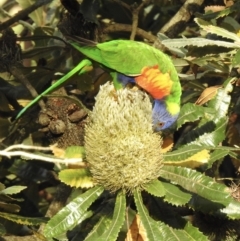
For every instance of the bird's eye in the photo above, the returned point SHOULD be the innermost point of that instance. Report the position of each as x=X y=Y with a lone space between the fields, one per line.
x=160 y=124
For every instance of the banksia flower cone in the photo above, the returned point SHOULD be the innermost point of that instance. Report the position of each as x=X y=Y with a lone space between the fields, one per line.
x=121 y=148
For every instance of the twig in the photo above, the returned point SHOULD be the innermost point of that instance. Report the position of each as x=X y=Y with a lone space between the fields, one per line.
x=27 y=147
x=41 y=158
x=24 y=23
x=8 y=153
x=16 y=72
x=117 y=27
x=135 y=16
x=23 y=13
x=125 y=5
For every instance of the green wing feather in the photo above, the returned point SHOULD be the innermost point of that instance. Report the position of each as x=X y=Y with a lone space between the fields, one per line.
x=126 y=56
x=130 y=57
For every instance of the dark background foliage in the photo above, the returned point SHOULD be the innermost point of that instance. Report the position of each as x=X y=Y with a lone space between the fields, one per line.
x=34 y=53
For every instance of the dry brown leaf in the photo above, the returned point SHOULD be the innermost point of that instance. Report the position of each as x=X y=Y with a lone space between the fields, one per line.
x=207 y=94
x=58 y=152
x=23 y=102
x=167 y=144
x=228 y=3
x=136 y=231
x=214 y=8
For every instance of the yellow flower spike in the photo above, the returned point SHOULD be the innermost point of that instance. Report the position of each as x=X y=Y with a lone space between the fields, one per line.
x=121 y=148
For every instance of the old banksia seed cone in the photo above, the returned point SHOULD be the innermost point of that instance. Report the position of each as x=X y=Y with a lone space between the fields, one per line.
x=121 y=148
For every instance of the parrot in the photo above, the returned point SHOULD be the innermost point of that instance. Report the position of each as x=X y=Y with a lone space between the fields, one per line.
x=149 y=68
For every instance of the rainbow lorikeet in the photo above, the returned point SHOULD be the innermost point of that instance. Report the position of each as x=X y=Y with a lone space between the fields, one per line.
x=148 y=67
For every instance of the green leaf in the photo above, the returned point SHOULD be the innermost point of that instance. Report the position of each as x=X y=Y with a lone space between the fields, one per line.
x=189 y=232
x=217 y=209
x=182 y=153
x=217 y=155
x=208 y=135
x=96 y=225
x=232 y=210
x=111 y=233
x=189 y=113
x=216 y=111
x=192 y=233
x=181 y=52
x=219 y=31
x=74 y=152
x=175 y=195
x=222 y=101
x=198 y=183
x=23 y=220
x=150 y=225
x=102 y=225
x=13 y=190
x=187 y=151
x=76 y=178
x=155 y=188
x=236 y=59
x=198 y=42
x=74 y=213
x=204 y=205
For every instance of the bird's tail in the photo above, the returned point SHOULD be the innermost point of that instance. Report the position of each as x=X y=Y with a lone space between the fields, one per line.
x=81 y=41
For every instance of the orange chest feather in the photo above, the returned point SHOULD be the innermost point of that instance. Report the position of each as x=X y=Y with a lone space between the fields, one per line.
x=153 y=81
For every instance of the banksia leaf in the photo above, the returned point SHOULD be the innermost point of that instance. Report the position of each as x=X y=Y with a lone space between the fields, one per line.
x=72 y=214
x=190 y=113
x=23 y=220
x=76 y=178
x=150 y=225
x=198 y=42
x=203 y=186
x=118 y=217
x=193 y=161
x=12 y=190
x=175 y=195
x=155 y=188
x=219 y=31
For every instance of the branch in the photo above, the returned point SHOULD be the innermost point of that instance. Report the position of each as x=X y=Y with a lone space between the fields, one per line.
x=125 y=5
x=24 y=23
x=183 y=15
x=23 y=13
x=10 y=152
x=135 y=15
x=117 y=27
